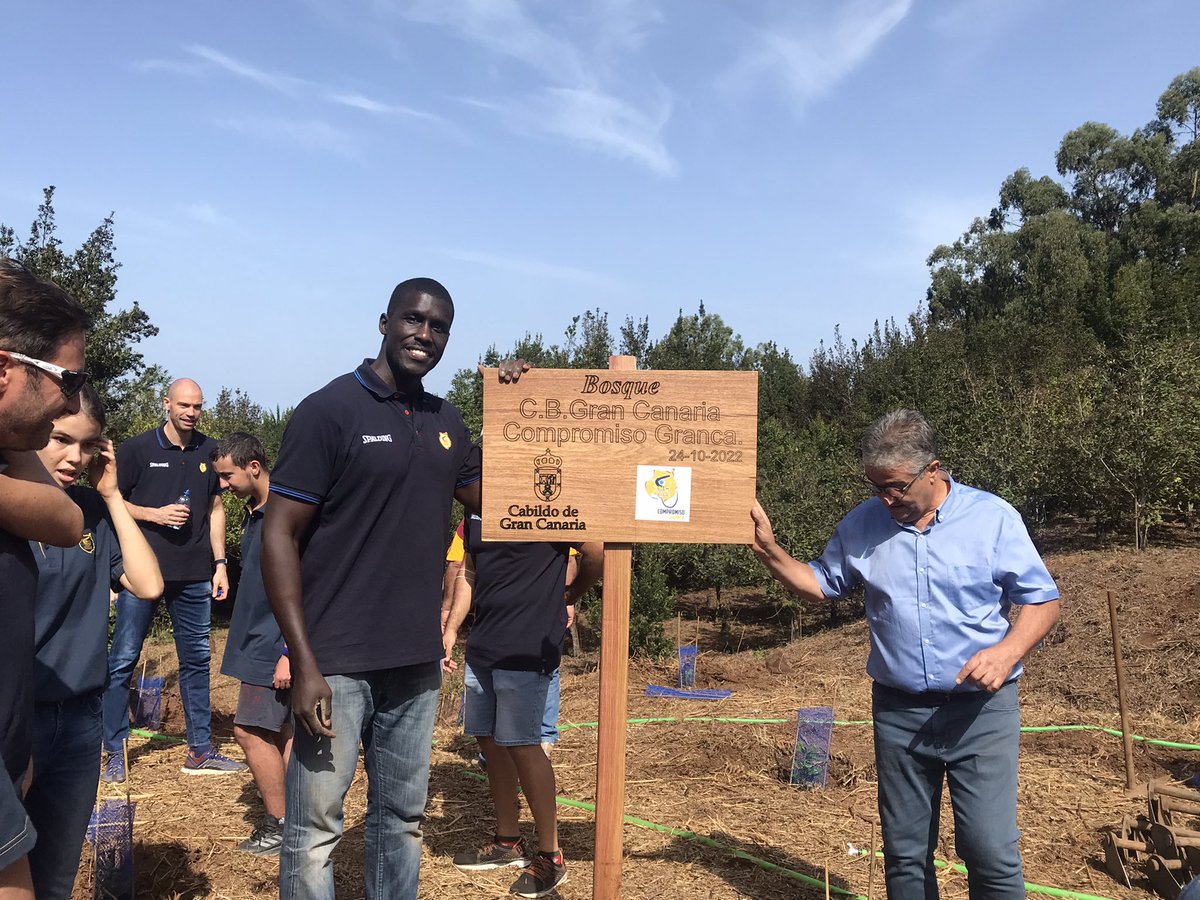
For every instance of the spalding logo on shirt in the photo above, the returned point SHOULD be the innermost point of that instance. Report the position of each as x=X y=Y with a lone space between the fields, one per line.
x=377 y=438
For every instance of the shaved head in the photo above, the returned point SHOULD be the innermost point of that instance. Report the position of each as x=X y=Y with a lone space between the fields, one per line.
x=182 y=404
x=185 y=385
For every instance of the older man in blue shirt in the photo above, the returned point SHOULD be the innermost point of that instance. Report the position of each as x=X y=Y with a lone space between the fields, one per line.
x=941 y=565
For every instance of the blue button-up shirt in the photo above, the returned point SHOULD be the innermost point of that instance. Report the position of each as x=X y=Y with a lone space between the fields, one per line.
x=934 y=598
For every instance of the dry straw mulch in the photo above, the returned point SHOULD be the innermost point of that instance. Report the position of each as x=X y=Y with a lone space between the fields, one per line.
x=727 y=781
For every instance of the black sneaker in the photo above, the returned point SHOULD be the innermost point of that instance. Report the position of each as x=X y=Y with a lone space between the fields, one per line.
x=266 y=840
x=492 y=855
x=541 y=877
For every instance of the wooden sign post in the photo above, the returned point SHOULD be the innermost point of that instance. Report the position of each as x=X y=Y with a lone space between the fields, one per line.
x=624 y=457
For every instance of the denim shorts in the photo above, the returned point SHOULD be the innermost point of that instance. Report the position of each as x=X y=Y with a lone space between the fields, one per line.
x=16 y=831
x=263 y=707
x=504 y=705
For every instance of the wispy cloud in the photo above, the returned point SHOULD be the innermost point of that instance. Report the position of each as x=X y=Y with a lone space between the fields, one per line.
x=592 y=119
x=808 y=54
x=530 y=267
x=274 y=81
x=593 y=93
x=309 y=134
x=378 y=107
x=203 y=59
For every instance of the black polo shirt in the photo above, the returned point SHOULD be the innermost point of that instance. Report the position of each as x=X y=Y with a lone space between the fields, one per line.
x=18 y=587
x=519 y=604
x=151 y=471
x=382 y=467
x=255 y=642
x=71 y=617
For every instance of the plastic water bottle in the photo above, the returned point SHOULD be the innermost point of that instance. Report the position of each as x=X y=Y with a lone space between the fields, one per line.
x=185 y=499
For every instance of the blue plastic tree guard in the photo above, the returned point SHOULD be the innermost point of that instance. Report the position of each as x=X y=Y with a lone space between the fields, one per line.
x=145 y=703
x=810 y=759
x=687 y=665
x=110 y=831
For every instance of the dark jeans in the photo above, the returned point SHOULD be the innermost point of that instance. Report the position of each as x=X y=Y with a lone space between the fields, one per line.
x=66 y=769
x=970 y=742
x=190 y=606
x=391 y=712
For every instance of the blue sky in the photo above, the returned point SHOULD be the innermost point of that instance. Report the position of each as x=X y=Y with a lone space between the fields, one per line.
x=276 y=168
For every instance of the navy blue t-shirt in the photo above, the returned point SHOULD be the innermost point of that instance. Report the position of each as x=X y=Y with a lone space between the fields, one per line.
x=71 y=616
x=152 y=472
x=255 y=642
x=382 y=468
x=518 y=599
x=18 y=586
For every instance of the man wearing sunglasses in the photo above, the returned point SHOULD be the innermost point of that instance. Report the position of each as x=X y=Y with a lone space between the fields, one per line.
x=42 y=333
x=941 y=565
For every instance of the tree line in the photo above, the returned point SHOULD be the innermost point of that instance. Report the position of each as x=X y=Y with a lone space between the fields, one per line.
x=1057 y=352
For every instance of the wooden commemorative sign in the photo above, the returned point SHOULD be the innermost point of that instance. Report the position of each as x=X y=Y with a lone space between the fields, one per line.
x=620 y=456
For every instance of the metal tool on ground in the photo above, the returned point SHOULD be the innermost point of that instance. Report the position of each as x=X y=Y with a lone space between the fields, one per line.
x=1165 y=847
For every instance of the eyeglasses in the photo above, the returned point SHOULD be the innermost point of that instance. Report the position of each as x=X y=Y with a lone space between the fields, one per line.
x=70 y=382
x=890 y=491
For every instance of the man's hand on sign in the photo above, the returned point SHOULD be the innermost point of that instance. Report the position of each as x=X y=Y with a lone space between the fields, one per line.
x=511 y=370
x=764 y=535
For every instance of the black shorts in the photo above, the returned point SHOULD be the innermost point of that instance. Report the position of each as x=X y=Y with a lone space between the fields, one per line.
x=263 y=707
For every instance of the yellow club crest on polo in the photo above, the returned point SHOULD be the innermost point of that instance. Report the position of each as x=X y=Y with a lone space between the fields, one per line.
x=444 y=439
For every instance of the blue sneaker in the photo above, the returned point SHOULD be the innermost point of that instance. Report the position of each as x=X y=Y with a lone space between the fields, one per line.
x=114 y=768
x=210 y=762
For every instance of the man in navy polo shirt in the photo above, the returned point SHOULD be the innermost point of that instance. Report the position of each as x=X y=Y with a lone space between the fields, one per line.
x=942 y=565
x=42 y=333
x=353 y=543
x=172 y=491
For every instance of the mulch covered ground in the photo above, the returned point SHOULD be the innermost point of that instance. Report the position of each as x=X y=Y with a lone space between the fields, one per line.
x=727 y=781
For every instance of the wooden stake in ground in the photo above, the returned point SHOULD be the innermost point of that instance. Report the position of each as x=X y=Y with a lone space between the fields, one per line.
x=871 y=873
x=678 y=631
x=1126 y=735
x=827 y=878
x=614 y=702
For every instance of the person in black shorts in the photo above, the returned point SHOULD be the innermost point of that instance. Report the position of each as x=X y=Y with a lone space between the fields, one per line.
x=42 y=332
x=254 y=652
x=513 y=651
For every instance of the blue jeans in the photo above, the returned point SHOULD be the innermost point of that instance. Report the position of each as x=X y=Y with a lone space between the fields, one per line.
x=392 y=713
x=550 y=716
x=969 y=742
x=66 y=769
x=507 y=706
x=190 y=606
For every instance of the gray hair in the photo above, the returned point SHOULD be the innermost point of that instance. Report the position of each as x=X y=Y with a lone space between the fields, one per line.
x=900 y=439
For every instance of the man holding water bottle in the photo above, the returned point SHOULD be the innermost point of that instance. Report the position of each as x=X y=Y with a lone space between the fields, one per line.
x=167 y=478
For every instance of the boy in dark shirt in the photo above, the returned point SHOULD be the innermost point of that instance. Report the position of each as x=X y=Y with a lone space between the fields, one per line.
x=255 y=653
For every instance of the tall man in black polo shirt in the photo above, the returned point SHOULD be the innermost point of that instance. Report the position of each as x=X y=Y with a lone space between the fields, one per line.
x=41 y=373
x=353 y=543
x=171 y=489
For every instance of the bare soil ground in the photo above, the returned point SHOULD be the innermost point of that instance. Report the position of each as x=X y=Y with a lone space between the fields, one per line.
x=727 y=781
